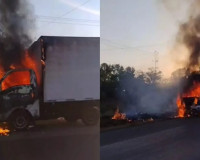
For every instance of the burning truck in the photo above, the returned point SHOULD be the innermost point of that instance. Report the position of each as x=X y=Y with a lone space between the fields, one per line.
x=59 y=77
x=188 y=100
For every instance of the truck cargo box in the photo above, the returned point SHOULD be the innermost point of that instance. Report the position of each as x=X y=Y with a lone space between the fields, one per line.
x=71 y=68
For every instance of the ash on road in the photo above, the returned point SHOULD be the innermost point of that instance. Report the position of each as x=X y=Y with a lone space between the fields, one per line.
x=52 y=140
x=177 y=139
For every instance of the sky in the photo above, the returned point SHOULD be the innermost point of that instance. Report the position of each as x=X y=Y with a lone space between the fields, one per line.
x=66 y=18
x=133 y=32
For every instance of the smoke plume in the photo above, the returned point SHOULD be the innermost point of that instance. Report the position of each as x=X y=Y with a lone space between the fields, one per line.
x=15 y=26
x=189 y=36
x=149 y=98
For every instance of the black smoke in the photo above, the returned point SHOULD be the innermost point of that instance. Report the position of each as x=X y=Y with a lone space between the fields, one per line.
x=189 y=36
x=15 y=23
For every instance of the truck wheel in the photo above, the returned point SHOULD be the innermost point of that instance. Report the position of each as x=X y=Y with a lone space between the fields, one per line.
x=20 y=120
x=90 y=116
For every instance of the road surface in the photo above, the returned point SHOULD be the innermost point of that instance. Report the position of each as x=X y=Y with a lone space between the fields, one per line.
x=52 y=140
x=177 y=139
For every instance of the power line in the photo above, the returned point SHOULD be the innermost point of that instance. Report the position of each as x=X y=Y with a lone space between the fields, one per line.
x=133 y=48
x=68 y=23
x=123 y=46
x=68 y=12
x=74 y=8
x=112 y=45
x=117 y=44
x=155 y=61
x=128 y=48
x=65 y=19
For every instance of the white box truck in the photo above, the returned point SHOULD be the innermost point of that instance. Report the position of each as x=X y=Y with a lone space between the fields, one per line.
x=67 y=83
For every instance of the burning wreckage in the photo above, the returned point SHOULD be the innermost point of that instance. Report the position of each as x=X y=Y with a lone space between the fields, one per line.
x=58 y=77
x=188 y=101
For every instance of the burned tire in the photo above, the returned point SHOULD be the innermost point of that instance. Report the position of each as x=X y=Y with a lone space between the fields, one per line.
x=91 y=116
x=20 y=120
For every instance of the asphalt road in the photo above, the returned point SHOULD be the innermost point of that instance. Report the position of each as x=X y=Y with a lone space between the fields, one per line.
x=52 y=140
x=177 y=139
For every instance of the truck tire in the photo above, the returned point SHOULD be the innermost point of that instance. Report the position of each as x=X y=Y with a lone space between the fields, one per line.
x=20 y=120
x=91 y=116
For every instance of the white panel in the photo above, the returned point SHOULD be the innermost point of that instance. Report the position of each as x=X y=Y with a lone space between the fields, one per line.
x=72 y=69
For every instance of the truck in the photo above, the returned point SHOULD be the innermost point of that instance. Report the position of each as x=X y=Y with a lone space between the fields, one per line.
x=65 y=84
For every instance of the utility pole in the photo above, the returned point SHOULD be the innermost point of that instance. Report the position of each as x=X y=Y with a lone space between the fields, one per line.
x=155 y=61
x=155 y=66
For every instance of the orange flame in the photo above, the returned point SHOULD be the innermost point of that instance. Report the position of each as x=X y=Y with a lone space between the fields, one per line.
x=20 y=78
x=29 y=62
x=195 y=101
x=181 y=107
x=119 y=116
x=4 y=132
x=193 y=92
x=15 y=79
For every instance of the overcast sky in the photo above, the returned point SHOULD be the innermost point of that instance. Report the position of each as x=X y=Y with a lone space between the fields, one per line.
x=132 y=30
x=66 y=17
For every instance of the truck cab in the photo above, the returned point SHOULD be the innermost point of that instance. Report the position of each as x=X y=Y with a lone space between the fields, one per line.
x=18 y=97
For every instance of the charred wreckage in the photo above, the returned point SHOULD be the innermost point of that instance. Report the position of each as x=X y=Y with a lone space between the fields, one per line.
x=188 y=101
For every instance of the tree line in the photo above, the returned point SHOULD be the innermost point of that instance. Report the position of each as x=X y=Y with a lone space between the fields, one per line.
x=120 y=85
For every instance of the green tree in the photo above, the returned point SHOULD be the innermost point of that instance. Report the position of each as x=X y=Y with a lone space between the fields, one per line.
x=152 y=76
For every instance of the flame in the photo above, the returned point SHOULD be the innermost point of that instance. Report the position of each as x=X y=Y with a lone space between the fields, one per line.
x=193 y=92
x=43 y=62
x=4 y=132
x=21 y=77
x=29 y=62
x=12 y=67
x=195 y=101
x=181 y=107
x=15 y=79
x=119 y=116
